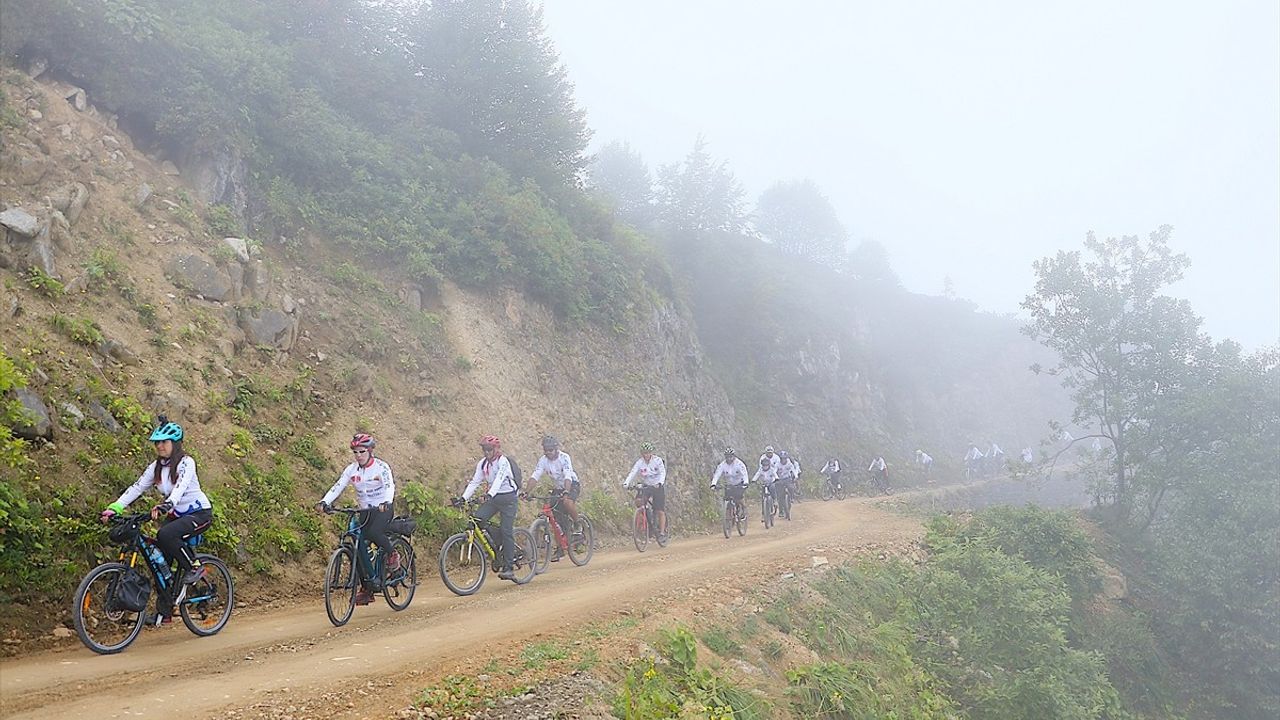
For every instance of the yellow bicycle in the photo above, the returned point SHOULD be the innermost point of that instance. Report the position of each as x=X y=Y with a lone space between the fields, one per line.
x=465 y=557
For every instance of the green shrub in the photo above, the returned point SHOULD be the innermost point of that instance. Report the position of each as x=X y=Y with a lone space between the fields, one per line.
x=307 y=449
x=43 y=283
x=81 y=330
x=222 y=221
x=679 y=688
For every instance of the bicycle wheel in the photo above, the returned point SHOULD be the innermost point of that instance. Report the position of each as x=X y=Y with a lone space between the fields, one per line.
x=399 y=585
x=209 y=601
x=523 y=559
x=640 y=530
x=540 y=529
x=729 y=512
x=767 y=511
x=582 y=541
x=742 y=519
x=340 y=585
x=102 y=625
x=841 y=493
x=828 y=491
x=464 y=564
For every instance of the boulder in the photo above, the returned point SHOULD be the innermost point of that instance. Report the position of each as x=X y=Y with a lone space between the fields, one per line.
x=72 y=415
x=36 y=67
x=172 y=405
x=168 y=168
x=60 y=231
x=142 y=195
x=235 y=271
x=239 y=246
x=20 y=221
x=39 y=253
x=35 y=423
x=104 y=417
x=199 y=277
x=78 y=98
x=25 y=169
x=272 y=328
x=257 y=280
x=218 y=175
x=116 y=350
x=70 y=200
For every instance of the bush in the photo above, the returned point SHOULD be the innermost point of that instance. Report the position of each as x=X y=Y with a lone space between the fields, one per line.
x=678 y=688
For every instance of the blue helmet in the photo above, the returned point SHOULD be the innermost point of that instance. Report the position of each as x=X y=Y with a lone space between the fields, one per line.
x=167 y=431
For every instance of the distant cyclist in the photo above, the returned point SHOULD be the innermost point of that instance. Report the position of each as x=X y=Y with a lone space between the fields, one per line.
x=559 y=466
x=653 y=478
x=495 y=470
x=832 y=470
x=925 y=460
x=995 y=459
x=879 y=473
x=771 y=456
x=375 y=493
x=766 y=476
x=735 y=477
x=786 y=472
x=973 y=461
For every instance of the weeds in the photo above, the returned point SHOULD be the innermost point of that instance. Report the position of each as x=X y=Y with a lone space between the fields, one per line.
x=43 y=283
x=81 y=330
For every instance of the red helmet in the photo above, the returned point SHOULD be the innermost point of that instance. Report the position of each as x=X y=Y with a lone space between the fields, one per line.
x=363 y=440
x=491 y=440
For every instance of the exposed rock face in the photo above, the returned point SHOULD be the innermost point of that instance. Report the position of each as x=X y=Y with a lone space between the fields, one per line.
x=273 y=328
x=37 y=423
x=20 y=221
x=200 y=277
x=218 y=176
x=60 y=231
x=70 y=200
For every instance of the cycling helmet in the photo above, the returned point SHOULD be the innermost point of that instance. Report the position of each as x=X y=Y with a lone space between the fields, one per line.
x=549 y=442
x=167 y=431
x=730 y=452
x=490 y=440
x=646 y=447
x=783 y=455
x=768 y=449
x=764 y=462
x=363 y=440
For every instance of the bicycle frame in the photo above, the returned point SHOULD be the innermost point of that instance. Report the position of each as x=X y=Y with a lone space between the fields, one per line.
x=139 y=547
x=650 y=515
x=548 y=511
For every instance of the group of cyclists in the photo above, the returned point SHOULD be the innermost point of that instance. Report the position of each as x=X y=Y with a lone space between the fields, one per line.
x=188 y=511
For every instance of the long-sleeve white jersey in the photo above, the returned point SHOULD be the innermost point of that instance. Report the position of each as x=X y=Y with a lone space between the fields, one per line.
x=877 y=464
x=652 y=473
x=185 y=495
x=560 y=470
x=923 y=458
x=735 y=473
x=832 y=467
x=973 y=454
x=496 y=473
x=994 y=451
x=787 y=470
x=373 y=483
x=774 y=460
x=765 y=475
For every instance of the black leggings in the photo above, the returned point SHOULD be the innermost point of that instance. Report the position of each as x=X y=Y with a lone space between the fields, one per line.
x=373 y=530
x=169 y=537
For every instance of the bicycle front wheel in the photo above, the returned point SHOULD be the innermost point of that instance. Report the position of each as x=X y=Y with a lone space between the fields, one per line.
x=399 y=585
x=640 y=530
x=767 y=511
x=840 y=492
x=742 y=519
x=828 y=491
x=207 y=607
x=729 y=518
x=463 y=564
x=582 y=541
x=540 y=529
x=340 y=586
x=103 y=626
x=523 y=558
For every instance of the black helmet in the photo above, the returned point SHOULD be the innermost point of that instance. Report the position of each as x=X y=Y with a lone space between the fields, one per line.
x=549 y=442
x=730 y=452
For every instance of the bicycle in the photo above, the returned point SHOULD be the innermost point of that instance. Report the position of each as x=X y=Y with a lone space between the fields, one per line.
x=112 y=599
x=880 y=482
x=342 y=576
x=735 y=513
x=768 y=507
x=644 y=523
x=547 y=534
x=785 y=498
x=833 y=488
x=466 y=556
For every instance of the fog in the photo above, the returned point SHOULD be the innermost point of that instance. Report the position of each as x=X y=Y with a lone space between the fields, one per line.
x=971 y=139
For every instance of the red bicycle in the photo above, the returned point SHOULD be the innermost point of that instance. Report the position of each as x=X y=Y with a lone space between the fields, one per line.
x=645 y=523
x=548 y=537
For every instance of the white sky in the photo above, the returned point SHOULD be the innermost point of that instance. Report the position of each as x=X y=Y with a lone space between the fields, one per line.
x=971 y=138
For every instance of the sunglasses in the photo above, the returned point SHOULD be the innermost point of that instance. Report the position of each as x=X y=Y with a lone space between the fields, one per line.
x=360 y=451
x=487 y=448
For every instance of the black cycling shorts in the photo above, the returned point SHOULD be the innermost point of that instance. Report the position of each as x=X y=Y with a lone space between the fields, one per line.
x=657 y=494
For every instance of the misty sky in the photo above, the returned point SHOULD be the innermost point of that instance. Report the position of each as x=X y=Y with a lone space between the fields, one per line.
x=971 y=138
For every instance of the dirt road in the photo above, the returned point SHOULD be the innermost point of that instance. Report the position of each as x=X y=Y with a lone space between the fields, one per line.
x=267 y=663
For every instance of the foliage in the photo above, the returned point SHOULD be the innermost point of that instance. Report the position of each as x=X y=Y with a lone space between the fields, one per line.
x=81 y=330
x=307 y=449
x=43 y=283
x=620 y=175
x=798 y=219
x=13 y=450
x=679 y=688
x=870 y=262
x=436 y=520
x=700 y=195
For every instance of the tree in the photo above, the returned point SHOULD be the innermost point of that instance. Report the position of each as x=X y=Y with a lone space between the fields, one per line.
x=870 y=262
x=1123 y=347
x=700 y=195
x=620 y=174
x=799 y=220
x=505 y=91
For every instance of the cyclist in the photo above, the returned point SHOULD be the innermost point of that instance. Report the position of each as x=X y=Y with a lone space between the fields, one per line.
x=1028 y=455
x=832 y=470
x=375 y=495
x=774 y=458
x=766 y=476
x=559 y=466
x=786 y=471
x=796 y=490
x=925 y=460
x=995 y=458
x=879 y=472
x=972 y=460
x=653 y=478
x=186 y=508
x=736 y=479
x=495 y=469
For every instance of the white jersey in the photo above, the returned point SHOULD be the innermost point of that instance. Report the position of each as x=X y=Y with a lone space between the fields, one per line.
x=973 y=454
x=832 y=467
x=924 y=458
x=1028 y=456
x=185 y=494
x=497 y=473
x=560 y=470
x=735 y=473
x=787 y=470
x=652 y=473
x=774 y=460
x=765 y=475
x=877 y=464
x=994 y=451
x=374 y=484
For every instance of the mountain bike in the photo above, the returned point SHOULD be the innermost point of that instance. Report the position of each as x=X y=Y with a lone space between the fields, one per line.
x=644 y=524
x=465 y=557
x=784 y=498
x=880 y=482
x=768 y=506
x=833 y=488
x=734 y=513
x=548 y=537
x=110 y=603
x=343 y=576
